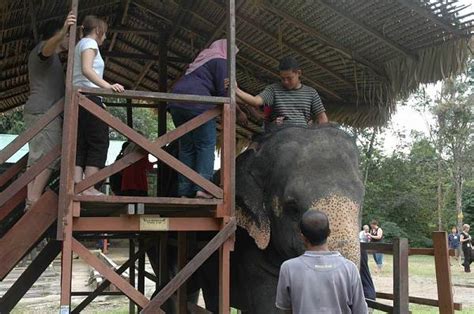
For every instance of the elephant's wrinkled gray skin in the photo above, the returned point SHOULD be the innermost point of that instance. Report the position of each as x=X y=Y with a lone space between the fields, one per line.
x=292 y=171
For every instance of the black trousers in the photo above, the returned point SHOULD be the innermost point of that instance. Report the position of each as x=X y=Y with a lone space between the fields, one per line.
x=92 y=138
x=467 y=250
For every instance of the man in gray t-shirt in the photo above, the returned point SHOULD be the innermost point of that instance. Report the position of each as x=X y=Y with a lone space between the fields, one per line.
x=319 y=281
x=46 y=76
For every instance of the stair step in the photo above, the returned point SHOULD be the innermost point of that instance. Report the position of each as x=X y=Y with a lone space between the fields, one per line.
x=27 y=231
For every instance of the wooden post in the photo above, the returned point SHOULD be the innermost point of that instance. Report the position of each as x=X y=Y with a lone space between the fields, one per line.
x=443 y=273
x=66 y=183
x=400 y=276
x=224 y=276
x=131 y=273
x=129 y=113
x=162 y=121
x=182 y=261
x=229 y=198
x=141 y=269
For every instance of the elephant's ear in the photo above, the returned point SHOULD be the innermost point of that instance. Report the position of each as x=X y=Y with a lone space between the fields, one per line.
x=250 y=213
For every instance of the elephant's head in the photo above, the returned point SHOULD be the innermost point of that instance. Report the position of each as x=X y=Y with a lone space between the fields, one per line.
x=295 y=170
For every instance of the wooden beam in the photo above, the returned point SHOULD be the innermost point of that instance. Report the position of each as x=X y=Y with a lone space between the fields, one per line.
x=105 y=284
x=23 y=283
x=109 y=273
x=367 y=29
x=12 y=203
x=26 y=136
x=162 y=112
x=182 y=260
x=424 y=12
x=418 y=300
x=34 y=24
x=143 y=95
x=66 y=179
x=190 y=268
x=443 y=273
x=13 y=170
x=27 y=231
x=379 y=306
x=120 y=21
x=291 y=46
x=29 y=175
x=139 y=56
x=400 y=276
x=328 y=41
x=185 y=6
x=137 y=223
x=141 y=271
x=130 y=30
x=170 y=201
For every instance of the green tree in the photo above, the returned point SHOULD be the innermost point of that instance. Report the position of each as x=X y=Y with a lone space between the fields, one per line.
x=11 y=122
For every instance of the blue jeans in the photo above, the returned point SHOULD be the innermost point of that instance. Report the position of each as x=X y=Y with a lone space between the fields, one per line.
x=196 y=149
x=378 y=258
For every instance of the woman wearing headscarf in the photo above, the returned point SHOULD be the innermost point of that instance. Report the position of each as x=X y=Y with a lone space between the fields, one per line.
x=205 y=77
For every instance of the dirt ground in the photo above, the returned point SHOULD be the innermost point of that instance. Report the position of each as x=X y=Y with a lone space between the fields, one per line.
x=422 y=280
x=43 y=297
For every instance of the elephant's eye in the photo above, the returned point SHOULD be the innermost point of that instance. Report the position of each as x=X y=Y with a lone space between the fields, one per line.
x=291 y=207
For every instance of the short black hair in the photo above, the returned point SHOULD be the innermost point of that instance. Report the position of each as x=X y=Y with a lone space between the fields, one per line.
x=314 y=226
x=289 y=63
x=49 y=29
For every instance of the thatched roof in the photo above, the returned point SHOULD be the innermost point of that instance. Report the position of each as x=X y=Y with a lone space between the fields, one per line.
x=360 y=55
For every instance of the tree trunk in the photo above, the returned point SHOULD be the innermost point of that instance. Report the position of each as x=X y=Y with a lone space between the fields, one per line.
x=440 y=197
x=458 y=190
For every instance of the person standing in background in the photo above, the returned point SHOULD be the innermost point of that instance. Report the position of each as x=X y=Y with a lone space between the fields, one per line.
x=376 y=235
x=455 y=244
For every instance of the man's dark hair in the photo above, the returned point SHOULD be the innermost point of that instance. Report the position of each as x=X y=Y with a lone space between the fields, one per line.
x=48 y=29
x=288 y=63
x=314 y=225
x=374 y=222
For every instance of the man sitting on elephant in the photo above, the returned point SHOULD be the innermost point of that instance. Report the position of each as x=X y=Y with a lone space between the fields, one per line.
x=319 y=280
x=291 y=102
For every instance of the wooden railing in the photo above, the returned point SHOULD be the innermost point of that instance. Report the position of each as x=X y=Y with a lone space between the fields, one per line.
x=401 y=299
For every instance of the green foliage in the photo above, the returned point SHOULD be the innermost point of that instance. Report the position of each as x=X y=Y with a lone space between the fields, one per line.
x=403 y=190
x=401 y=194
x=11 y=122
x=145 y=120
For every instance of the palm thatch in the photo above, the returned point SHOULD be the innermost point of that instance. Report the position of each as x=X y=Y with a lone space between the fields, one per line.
x=360 y=55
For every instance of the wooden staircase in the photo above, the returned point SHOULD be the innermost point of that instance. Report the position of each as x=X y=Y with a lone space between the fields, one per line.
x=28 y=231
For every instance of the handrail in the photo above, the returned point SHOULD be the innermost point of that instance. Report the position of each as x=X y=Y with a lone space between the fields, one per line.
x=387 y=248
x=144 y=95
x=32 y=131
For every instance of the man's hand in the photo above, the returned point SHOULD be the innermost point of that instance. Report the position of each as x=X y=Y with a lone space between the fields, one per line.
x=279 y=120
x=70 y=20
x=59 y=39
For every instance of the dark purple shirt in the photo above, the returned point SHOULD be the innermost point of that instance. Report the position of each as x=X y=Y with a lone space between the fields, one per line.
x=207 y=80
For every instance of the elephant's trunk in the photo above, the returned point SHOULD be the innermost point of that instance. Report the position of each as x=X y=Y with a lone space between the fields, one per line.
x=343 y=214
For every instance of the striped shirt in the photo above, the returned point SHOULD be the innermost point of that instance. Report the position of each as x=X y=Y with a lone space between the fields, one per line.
x=298 y=106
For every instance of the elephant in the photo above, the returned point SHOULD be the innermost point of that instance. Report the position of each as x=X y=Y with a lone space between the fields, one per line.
x=286 y=173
